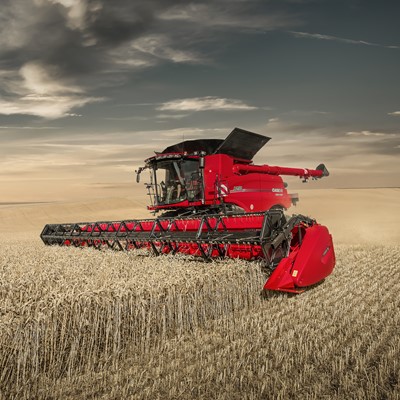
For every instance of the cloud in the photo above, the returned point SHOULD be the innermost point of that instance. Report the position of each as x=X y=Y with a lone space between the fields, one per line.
x=236 y=15
x=38 y=90
x=172 y=116
x=81 y=37
x=54 y=53
x=294 y=140
x=206 y=103
x=76 y=12
x=41 y=79
x=161 y=47
x=359 y=159
x=30 y=127
x=369 y=133
x=47 y=157
x=395 y=113
x=180 y=133
x=320 y=36
x=284 y=126
x=151 y=50
x=50 y=107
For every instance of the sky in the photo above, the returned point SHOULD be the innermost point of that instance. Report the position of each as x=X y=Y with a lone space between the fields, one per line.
x=90 y=88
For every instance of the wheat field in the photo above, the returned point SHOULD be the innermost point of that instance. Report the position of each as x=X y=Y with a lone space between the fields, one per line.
x=80 y=323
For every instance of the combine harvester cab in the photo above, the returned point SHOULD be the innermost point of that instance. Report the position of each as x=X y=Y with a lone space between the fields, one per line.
x=216 y=203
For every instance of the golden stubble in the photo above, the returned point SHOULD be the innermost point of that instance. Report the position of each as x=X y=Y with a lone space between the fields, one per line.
x=80 y=323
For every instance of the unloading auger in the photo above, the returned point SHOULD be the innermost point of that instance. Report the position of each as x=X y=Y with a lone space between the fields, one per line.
x=216 y=203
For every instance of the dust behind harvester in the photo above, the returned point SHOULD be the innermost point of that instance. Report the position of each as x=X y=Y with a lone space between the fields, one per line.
x=214 y=202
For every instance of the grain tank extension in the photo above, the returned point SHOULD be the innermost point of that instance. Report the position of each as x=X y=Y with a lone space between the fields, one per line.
x=214 y=202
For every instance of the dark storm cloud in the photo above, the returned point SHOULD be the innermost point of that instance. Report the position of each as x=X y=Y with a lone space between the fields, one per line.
x=118 y=21
x=81 y=47
x=64 y=47
x=78 y=36
x=54 y=53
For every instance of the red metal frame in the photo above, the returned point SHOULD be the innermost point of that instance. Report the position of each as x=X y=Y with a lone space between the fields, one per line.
x=299 y=250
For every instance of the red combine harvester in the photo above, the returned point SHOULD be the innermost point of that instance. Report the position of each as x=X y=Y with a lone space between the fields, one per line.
x=216 y=203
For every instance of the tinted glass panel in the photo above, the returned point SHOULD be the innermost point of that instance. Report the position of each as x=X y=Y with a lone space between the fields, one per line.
x=242 y=144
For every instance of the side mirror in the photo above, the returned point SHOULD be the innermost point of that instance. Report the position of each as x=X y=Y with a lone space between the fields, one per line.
x=138 y=174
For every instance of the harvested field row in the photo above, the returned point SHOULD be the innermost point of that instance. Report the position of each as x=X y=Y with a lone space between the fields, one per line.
x=80 y=323
x=67 y=311
x=339 y=340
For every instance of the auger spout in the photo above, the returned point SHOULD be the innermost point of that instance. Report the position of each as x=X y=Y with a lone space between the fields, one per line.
x=305 y=173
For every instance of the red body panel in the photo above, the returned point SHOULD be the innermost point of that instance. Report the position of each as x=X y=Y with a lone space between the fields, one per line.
x=252 y=192
x=315 y=259
x=307 y=264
